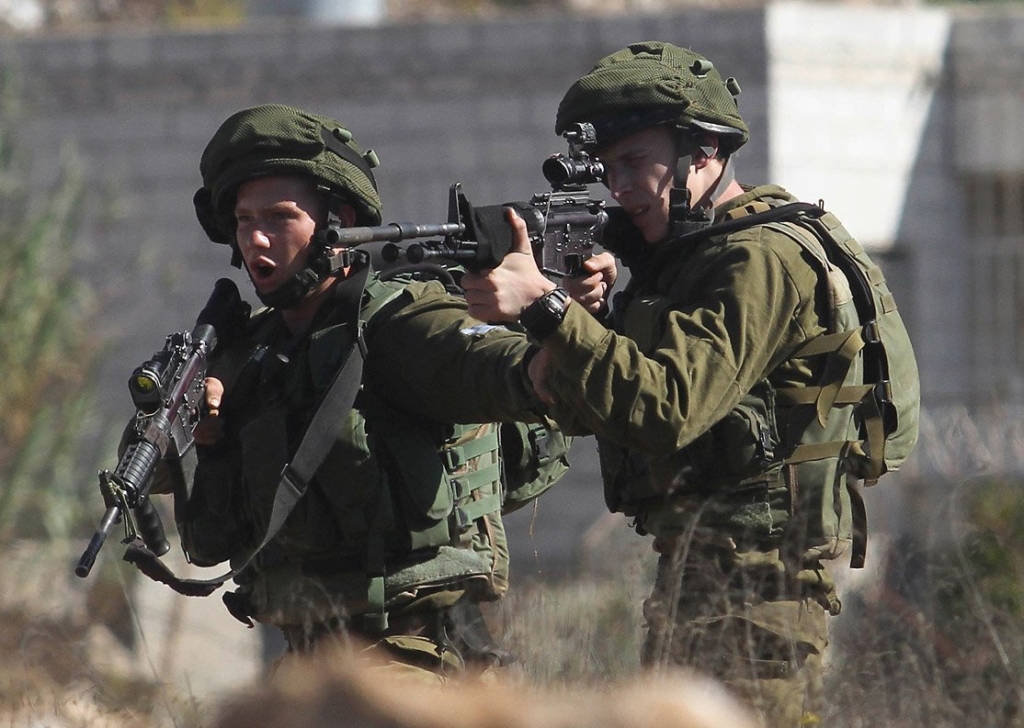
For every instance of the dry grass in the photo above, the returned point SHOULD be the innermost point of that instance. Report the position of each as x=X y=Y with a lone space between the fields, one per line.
x=932 y=632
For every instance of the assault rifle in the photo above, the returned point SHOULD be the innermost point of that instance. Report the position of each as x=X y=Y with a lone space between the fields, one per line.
x=168 y=392
x=563 y=224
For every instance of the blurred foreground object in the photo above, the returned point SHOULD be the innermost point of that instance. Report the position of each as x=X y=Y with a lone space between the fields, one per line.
x=329 y=690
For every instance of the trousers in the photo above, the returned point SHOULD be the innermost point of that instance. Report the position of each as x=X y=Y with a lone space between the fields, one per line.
x=754 y=620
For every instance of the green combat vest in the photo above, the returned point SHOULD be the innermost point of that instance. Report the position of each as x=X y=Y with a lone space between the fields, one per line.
x=782 y=466
x=401 y=507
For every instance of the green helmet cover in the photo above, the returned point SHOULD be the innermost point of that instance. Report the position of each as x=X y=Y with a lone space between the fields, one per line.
x=652 y=83
x=277 y=139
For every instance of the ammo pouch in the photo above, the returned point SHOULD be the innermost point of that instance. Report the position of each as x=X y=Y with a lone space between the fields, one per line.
x=728 y=481
x=533 y=457
x=447 y=496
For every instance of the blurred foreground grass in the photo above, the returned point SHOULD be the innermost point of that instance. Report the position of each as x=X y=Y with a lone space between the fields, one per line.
x=933 y=635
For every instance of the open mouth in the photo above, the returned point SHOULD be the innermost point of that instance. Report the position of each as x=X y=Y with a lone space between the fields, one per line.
x=262 y=269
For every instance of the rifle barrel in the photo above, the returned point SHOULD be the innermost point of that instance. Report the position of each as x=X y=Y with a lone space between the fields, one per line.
x=392 y=232
x=85 y=563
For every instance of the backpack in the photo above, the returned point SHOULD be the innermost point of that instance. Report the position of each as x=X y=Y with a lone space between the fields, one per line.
x=880 y=391
x=782 y=466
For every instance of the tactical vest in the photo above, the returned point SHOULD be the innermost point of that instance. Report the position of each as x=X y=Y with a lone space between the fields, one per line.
x=399 y=507
x=782 y=466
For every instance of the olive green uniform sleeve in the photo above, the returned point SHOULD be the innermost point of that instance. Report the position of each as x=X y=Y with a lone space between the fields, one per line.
x=431 y=359
x=746 y=307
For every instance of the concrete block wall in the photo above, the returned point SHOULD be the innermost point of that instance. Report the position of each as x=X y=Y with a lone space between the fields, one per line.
x=472 y=102
x=846 y=90
x=987 y=54
x=858 y=115
x=988 y=151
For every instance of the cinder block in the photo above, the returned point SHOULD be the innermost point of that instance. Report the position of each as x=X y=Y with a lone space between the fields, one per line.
x=133 y=52
x=189 y=49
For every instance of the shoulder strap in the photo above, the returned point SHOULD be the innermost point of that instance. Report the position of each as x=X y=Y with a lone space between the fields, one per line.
x=756 y=213
x=295 y=476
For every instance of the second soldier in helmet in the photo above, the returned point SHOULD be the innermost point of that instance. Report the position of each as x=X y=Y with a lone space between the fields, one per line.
x=714 y=385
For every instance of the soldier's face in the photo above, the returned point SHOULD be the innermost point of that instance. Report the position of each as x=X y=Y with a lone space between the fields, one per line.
x=640 y=168
x=276 y=218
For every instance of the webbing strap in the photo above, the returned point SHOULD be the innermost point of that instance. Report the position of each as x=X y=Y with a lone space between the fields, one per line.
x=858 y=511
x=490 y=473
x=480 y=507
x=874 y=428
x=473 y=480
x=466 y=451
x=871 y=450
x=859 y=518
x=837 y=366
x=755 y=207
x=817 y=451
x=796 y=396
x=347 y=153
x=375 y=619
x=825 y=344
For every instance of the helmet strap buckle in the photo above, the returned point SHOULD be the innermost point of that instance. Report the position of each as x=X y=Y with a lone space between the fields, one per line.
x=682 y=217
x=339 y=260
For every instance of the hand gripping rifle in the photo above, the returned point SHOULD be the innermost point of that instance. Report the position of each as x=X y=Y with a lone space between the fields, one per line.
x=168 y=392
x=563 y=224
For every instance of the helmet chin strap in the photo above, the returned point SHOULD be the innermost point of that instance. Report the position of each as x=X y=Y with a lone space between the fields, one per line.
x=323 y=262
x=292 y=292
x=682 y=218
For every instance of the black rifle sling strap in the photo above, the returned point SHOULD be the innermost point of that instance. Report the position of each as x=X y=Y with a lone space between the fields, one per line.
x=761 y=217
x=295 y=478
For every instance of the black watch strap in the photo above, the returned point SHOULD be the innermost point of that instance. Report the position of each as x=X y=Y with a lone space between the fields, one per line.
x=543 y=316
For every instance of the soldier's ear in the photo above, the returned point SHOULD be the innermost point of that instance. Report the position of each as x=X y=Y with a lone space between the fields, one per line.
x=705 y=148
x=338 y=210
x=346 y=214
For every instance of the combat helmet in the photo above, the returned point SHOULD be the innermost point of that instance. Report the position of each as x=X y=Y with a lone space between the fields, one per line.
x=654 y=83
x=276 y=139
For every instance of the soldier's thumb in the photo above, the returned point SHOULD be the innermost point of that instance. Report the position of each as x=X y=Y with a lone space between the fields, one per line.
x=520 y=237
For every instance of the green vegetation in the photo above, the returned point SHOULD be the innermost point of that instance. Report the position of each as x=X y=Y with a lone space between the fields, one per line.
x=166 y=13
x=44 y=356
x=48 y=494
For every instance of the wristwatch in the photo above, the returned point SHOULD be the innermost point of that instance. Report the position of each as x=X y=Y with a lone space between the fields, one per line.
x=543 y=316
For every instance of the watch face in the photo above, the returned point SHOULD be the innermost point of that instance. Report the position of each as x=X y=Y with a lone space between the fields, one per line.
x=545 y=314
x=553 y=304
x=555 y=300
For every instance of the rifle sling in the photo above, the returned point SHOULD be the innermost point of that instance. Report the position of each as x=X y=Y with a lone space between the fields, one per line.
x=295 y=477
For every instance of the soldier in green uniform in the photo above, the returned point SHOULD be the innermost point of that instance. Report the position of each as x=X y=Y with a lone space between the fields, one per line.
x=397 y=534
x=727 y=386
